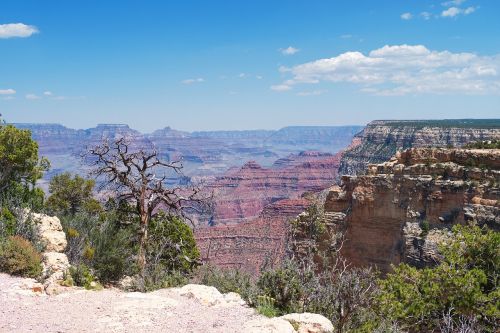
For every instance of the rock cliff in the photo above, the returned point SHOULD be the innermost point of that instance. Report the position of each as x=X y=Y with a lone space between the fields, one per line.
x=242 y=194
x=382 y=138
x=400 y=210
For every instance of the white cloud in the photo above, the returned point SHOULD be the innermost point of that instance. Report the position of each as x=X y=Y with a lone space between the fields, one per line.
x=289 y=50
x=455 y=11
x=281 y=87
x=22 y=30
x=406 y=16
x=32 y=96
x=403 y=69
x=7 y=91
x=311 y=93
x=191 y=81
x=47 y=93
x=259 y=77
x=452 y=3
x=242 y=75
x=346 y=36
x=426 y=15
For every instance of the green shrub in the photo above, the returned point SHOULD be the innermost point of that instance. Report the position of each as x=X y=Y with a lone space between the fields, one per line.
x=171 y=253
x=265 y=306
x=82 y=276
x=19 y=257
x=227 y=280
x=284 y=285
x=464 y=285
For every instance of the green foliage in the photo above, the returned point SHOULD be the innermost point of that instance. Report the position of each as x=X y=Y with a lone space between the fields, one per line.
x=171 y=251
x=70 y=194
x=465 y=284
x=82 y=276
x=265 y=306
x=284 y=286
x=425 y=226
x=101 y=242
x=19 y=257
x=19 y=157
x=226 y=281
x=490 y=144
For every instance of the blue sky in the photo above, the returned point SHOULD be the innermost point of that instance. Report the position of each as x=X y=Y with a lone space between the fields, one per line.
x=203 y=65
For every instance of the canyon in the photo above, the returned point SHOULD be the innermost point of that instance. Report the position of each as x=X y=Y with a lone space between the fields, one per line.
x=381 y=139
x=261 y=180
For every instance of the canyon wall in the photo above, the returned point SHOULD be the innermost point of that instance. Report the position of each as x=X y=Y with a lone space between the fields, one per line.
x=382 y=138
x=242 y=194
x=400 y=210
x=204 y=153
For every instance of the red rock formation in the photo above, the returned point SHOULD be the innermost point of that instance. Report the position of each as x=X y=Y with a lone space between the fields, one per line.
x=250 y=245
x=382 y=213
x=242 y=194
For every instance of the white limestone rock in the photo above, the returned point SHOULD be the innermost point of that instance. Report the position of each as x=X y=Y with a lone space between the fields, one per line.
x=309 y=322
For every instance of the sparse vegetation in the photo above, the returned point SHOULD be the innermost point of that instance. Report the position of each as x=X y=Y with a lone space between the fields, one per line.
x=19 y=257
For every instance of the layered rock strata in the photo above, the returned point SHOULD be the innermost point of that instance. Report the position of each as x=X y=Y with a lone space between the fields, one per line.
x=381 y=139
x=402 y=209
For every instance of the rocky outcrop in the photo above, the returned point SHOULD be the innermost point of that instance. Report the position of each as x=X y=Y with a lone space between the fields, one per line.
x=55 y=262
x=382 y=138
x=309 y=322
x=402 y=209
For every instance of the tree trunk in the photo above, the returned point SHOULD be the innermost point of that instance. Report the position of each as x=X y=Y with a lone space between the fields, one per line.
x=143 y=238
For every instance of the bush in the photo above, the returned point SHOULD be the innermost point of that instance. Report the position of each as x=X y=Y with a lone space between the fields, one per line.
x=284 y=286
x=19 y=257
x=171 y=253
x=82 y=276
x=226 y=281
x=464 y=285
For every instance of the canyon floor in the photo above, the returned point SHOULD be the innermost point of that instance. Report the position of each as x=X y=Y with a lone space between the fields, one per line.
x=112 y=310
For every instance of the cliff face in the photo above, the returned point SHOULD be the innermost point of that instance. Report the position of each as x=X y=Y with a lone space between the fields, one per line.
x=402 y=209
x=382 y=138
x=243 y=194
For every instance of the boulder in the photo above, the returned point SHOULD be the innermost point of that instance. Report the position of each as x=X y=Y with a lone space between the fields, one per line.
x=268 y=325
x=206 y=295
x=309 y=322
x=51 y=232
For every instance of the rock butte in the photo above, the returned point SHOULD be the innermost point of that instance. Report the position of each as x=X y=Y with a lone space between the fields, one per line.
x=382 y=212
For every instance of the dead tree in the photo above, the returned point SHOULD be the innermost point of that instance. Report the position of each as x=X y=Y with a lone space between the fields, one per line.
x=138 y=177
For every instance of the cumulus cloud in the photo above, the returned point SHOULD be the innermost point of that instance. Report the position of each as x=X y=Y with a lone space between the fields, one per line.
x=406 y=16
x=21 y=30
x=191 y=81
x=32 y=96
x=455 y=11
x=281 y=87
x=7 y=91
x=47 y=93
x=401 y=70
x=289 y=50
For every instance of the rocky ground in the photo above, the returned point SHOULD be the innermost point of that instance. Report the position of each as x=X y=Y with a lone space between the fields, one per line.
x=192 y=308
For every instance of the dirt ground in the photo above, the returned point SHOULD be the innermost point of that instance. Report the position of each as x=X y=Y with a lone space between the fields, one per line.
x=113 y=311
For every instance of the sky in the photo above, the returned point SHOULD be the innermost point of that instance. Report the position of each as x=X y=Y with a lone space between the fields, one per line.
x=233 y=65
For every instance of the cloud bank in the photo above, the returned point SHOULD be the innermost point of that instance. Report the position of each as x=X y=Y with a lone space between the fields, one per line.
x=402 y=70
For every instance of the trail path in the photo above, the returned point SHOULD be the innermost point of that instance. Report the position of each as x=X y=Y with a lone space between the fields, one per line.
x=114 y=311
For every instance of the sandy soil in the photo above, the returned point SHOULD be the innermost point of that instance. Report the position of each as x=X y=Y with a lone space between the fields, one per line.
x=113 y=311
